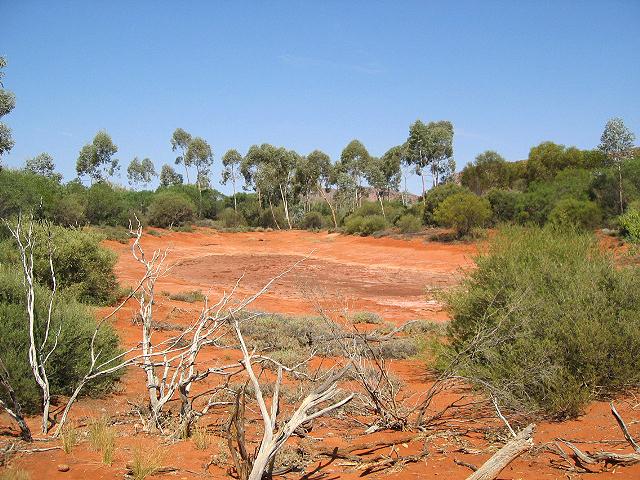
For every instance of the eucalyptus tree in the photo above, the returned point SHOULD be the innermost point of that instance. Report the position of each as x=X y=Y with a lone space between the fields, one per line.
x=271 y=170
x=169 y=177
x=231 y=161
x=616 y=143
x=430 y=146
x=315 y=172
x=383 y=174
x=141 y=172
x=200 y=155
x=353 y=162
x=42 y=164
x=489 y=170
x=180 y=141
x=7 y=104
x=96 y=158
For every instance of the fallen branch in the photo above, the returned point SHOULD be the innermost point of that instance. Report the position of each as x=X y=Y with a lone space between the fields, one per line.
x=522 y=442
x=583 y=460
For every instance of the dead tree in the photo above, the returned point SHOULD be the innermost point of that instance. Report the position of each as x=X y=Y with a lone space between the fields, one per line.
x=39 y=351
x=274 y=436
x=585 y=460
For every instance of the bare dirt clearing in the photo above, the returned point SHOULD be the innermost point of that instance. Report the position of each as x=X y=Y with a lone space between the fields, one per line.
x=388 y=276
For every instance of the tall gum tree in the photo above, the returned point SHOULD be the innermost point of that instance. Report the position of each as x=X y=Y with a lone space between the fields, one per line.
x=180 y=141
x=231 y=161
x=95 y=159
x=617 y=144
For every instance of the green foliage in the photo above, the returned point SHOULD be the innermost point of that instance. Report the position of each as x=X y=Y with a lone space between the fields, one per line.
x=365 y=225
x=436 y=196
x=575 y=213
x=630 y=224
x=312 y=221
x=546 y=321
x=25 y=191
x=463 y=211
x=95 y=159
x=69 y=362
x=409 y=224
x=503 y=204
x=232 y=219
x=366 y=317
x=105 y=205
x=189 y=297
x=171 y=209
x=83 y=267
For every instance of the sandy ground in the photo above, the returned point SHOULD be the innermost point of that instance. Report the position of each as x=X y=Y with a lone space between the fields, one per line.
x=392 y=277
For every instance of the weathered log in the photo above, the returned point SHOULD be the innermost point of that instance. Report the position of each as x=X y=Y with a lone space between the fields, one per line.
x=519 y=444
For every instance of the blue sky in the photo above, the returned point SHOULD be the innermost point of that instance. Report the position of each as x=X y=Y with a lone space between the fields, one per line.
x=310 y=75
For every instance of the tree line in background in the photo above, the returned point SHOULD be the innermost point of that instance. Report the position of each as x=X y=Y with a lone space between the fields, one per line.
x=275 y=187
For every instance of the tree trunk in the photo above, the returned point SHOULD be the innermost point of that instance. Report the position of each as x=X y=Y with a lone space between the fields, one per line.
x=235 y=204
x=286 y=207
x=424 y=200
x=519 y=444
x=273 y=214
x=326 y=199
x=382 y=206
x=620 y=187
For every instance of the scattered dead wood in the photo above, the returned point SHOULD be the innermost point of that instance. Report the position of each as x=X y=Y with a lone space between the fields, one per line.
x=157 y=471
x=519 y=444
x=585 y=460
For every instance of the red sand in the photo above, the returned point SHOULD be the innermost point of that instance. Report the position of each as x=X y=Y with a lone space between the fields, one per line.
x=388 y=276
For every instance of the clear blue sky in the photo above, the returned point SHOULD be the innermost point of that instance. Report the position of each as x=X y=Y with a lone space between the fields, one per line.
x=312 y=75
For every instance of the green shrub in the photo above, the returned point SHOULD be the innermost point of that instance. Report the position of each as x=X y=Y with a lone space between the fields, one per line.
x=189 y=297
x=83 y=267
x=171 y=209
x=436 y=196
x=503 y=204
x=630 y=224
x=463 y=212
x=69 y=362
x=366 y=317
x=546 y=321
x=576 y=213
x=105 y=206
x=312 y=221
x=409 y=224
x=365 y=225
x=232 y=219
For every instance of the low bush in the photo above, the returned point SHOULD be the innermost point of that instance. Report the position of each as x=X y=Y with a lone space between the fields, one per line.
x=312 y=221
x=630 y=225
x=171 y=209
x=576 y=214
x=83 y=267
x=366 y=317
x=409 y=224
x=365 y=225
x=232 y=219
x=463 y=212
x=69 y=362
x=189 y=297
x=546 y=321
x=434 y=197
x=503 y=204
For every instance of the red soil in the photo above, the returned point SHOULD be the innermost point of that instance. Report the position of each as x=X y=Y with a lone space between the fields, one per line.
x=387 y=276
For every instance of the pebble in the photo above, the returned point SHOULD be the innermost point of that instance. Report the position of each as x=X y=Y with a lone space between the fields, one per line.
x=63 y=467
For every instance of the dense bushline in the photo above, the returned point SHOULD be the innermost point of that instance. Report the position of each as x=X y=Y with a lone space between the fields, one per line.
x=546 y=321
x=70 y=360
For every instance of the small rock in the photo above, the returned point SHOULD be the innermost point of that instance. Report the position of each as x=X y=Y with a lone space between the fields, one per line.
x=63 y=467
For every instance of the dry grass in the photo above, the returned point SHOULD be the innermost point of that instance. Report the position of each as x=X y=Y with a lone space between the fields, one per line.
x=200 y=438
x=102 y=438
x=145 y=462
x=69 y=438
x=11 y=474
